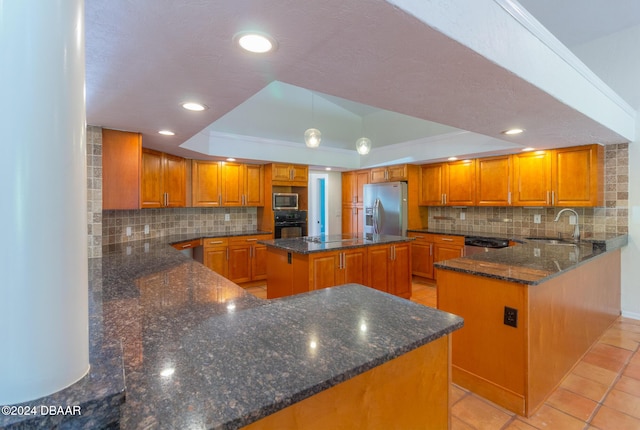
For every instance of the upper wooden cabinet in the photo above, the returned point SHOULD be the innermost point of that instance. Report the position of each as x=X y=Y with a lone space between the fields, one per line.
x=121 y=160
x=353 y=187
x=217 y=183
x=389 y=173
x=561 y=177
x=577 y=176
x=163 y=182
x=289 y=174
x=448 y=184
x=493 y=184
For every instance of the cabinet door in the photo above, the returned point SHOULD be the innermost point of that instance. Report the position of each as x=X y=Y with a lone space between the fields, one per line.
x=460 y=183
x=215 y=256
x=397 y=173
x=348 y=188
x=576 y=176
x=378 y=175
x=422 y=258
x=280 y=172
x=352 y=220
x=378 y=263
x=354 y=266
x=259 y=262
x=152 y=188
x=493 y=181
x=361 y=179
x=532 y=178
x=232 y=184
x=205 y=184
x=447 y=252
x=175 y=181
x=324 y=270
x=431 y=184
x=121 y=158
x=254 y=185
x=400 y=282
x=300 y=173
x=240 y=263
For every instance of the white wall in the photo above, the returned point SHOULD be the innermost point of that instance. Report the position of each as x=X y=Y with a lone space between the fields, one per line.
x=614 y=58
x=334 y=200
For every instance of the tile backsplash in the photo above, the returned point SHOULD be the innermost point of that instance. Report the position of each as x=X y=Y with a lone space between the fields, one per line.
x=612 y=218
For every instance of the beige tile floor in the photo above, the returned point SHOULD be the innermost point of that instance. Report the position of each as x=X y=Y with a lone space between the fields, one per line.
x=601 y=393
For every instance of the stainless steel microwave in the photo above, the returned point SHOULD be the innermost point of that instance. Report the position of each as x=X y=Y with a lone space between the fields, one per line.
x=284 y=201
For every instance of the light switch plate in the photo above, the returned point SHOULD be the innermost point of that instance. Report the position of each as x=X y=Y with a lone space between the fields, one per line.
x=463 y=215
x=227 y=217
x=128 y=231
x=537 y=219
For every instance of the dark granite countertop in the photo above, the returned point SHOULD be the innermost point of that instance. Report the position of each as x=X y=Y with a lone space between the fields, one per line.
x=311 y=244
x=200 y=352
x=530 y=262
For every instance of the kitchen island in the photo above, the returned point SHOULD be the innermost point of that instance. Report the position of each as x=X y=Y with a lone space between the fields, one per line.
x=200 y=352
x=531 y=312
x=302 y=264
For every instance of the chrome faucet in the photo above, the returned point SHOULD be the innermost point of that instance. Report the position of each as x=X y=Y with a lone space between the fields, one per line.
x=576 y=230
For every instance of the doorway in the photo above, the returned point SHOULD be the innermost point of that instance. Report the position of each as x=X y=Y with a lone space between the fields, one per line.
x=318 y=207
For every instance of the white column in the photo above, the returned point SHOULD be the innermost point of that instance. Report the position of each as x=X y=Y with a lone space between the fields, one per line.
x=43 y=204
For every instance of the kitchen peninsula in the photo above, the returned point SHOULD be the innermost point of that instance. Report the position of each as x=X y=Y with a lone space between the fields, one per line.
x=531 y=311
x=302 y=264
x=200 y=352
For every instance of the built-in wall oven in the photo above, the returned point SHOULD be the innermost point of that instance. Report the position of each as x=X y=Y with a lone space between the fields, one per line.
x=290 y=223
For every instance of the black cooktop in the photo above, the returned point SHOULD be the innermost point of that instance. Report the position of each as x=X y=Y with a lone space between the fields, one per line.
x=486 y=242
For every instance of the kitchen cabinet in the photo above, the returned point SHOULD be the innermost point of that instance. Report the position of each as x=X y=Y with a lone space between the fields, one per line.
x=205 y=183
x=216 y=254
x=390 y=269
x=242 y=184
x=352 y=201
x=561 y=177
x=216 y=184
x=247 y=259
x=121 y=160
x=328 y=269
x=289 y=174
x=448 y=184
x=446 y=247
x=180 y=246
x=493 y=181
x=163 y=182
x=389 y=173
x=422 y=254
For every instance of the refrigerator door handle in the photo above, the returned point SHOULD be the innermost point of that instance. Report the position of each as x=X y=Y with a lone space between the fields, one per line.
x=376 y=215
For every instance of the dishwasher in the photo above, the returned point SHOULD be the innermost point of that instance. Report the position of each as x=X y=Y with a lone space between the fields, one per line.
x=477 y=245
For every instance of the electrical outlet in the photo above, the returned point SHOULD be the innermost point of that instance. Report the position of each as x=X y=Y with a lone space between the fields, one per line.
x=128 y=231
x=536 y=252
x=463 y=215
x=227 y=217
x=572 y=220
x=146 y=229
x=510 y=317
x=537 y=219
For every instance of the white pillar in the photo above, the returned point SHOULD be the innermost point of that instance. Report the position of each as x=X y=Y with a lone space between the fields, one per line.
x=43 y=203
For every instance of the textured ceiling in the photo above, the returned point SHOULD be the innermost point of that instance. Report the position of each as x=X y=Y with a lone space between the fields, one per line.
x=146 y=57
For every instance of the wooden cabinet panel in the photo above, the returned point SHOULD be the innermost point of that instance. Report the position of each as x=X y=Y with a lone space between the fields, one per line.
x=239 y=263
x=216 y=255
x=577 y=176
x=247 y=258
x=289 y=174
x=389 y=173
x=254 y=185
x=232 y=184
x=493 y=181
x=447 y=247
x=431 y=184
x=121 y=161
x=205 y=184
x=389 y=268
x=163 y=179
x=460 y=183
x=323 y=268
x=532 y=178
x=353 y=187
x=354 y=266
x=379 y=262
x=259 y=262
x=422 y=255
x=352 y=220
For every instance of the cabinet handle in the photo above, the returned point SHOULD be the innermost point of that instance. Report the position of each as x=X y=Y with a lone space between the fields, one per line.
x=547 y=200
x=252 y=240
x=219 y=199
x=553 y=198
x=214 y=242
x=419 y=237
x=509 y=197
x=227 y=253
x=445 y=198
x=431 y=249
x=444 y=239
x=188 y=245
x=355 y=211
x=251 y=252
x=354 y=199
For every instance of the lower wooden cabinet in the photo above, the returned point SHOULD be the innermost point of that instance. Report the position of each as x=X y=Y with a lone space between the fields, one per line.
x=384 y=267
x=352 y=220
x=240 y=259
x=422 y=254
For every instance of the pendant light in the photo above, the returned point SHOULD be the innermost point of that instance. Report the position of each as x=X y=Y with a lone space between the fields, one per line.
x=363 y=145
x=312 y=136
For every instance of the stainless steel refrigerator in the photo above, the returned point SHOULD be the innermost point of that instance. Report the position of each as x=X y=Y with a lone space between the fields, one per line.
x=385 y=209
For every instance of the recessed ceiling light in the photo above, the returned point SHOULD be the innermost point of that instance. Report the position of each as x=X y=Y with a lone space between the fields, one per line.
x=167 y=132
x=258 y=43
x=327 y=168
x=197 y=107
x=527 y=149
x=452 y=158
x=512 y=131
x=231 y=159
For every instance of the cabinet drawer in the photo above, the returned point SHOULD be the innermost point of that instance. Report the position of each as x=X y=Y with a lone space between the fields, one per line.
x=188 y=244
x=451 y=240
x=243 y=240
x=421 y=237
x=215 y=241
